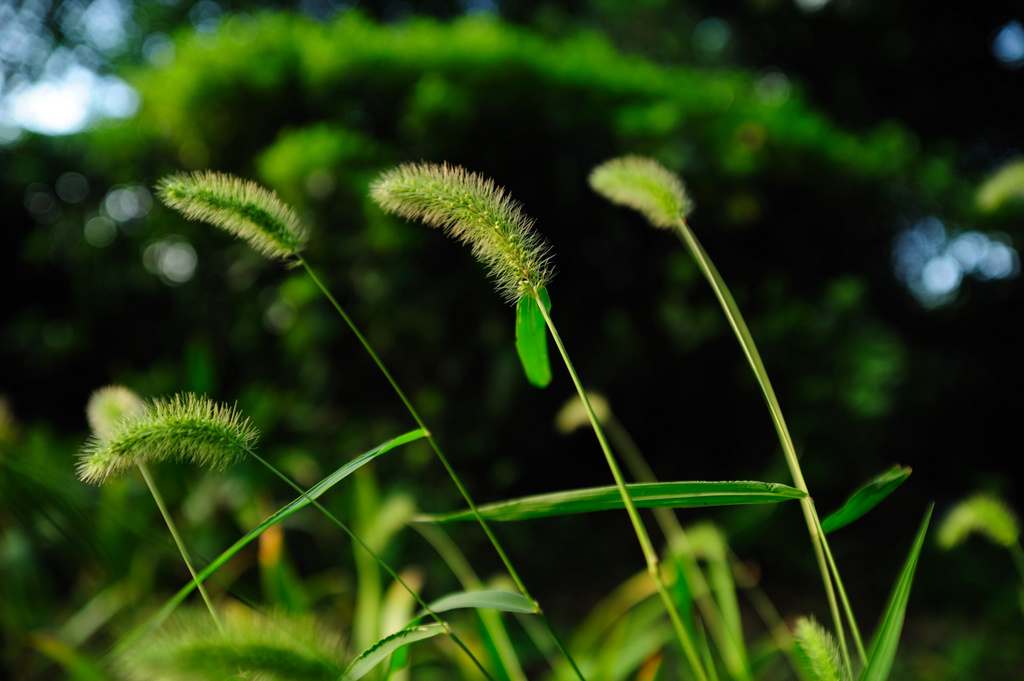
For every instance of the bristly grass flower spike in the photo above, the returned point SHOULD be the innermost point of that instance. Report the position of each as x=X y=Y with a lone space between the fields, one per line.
x=659 y=195
x=242 y=208
x=255 y=214
x=129 y=432
x=475 y=211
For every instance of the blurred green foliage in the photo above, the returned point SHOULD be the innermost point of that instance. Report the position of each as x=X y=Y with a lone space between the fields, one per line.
x=797 y=212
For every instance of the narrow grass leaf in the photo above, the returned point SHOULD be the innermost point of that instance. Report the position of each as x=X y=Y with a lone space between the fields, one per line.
x=644 y=495
x=303 y=501
x=380 y=651
x=532 y=338
x=488 y=599
x=984 y=514
x=887 y=637
x=818 y=651
x=866 y=498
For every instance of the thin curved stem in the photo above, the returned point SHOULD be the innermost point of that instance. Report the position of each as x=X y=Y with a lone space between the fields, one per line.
x=158 y=498
x=650 y=555
x=447 y=465
x=749 y=348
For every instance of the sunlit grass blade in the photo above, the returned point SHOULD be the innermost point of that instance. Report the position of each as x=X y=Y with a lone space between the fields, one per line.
x=866 y=498
x=532 y=339
x=248 y=645
x=488 y=599
x=299 y=503
x=380 y=651
x=644 y=495
x=883 y=647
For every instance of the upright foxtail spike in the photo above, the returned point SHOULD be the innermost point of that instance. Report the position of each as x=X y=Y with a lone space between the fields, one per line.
x=473 y=210
x=240 y=207
x=644 y=185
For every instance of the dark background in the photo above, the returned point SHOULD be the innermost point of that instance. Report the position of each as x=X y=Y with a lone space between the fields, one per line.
x=810 y=141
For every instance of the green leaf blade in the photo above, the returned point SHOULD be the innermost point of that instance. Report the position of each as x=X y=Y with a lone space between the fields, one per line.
x=887 y=637
x=282 y=513
x=487 y=599
x=532 y=338
x=644 y=495
x=866 y=498
x=383 y=648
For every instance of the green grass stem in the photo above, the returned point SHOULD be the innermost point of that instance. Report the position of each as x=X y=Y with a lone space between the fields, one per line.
x=749 y=348
x=444 y=461
x=650 y=555
x=158 y=498
x=380 y=561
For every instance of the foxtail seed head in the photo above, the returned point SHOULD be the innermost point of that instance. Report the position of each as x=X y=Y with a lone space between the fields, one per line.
x=644 y=185
x=818 y=651
x=475 y=211
x=242 y=208
x=108 y=406
x=184 y=428
x=982 y=513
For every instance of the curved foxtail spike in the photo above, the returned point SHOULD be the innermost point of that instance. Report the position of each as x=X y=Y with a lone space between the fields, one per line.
x=985 y=514
x=240 y=207
x=110 y=405
x=184 y=428
x=248 y=644
x=474 y=210
x=644 y=185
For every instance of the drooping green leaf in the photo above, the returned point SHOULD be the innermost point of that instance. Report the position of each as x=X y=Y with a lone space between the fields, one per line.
x=314 y=492
x=887 y=637
x=866 y=498
x=532 y=339
x=489 y=599
x=645 y=495
x=379 y=651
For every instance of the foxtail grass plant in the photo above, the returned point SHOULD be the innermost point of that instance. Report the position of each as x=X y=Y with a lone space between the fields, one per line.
x=987 y=515
x=473 y=210
x=659 y=195
x=256 y=215
x=128 y=432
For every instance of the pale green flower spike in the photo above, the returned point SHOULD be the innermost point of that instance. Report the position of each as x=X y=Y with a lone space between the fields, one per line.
x=184 y=428
x=818 y=651
x=643 y=185
x=108 y=406
x=242 y=208
x=475 y=211
x=984 y=514
x=278 y=645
